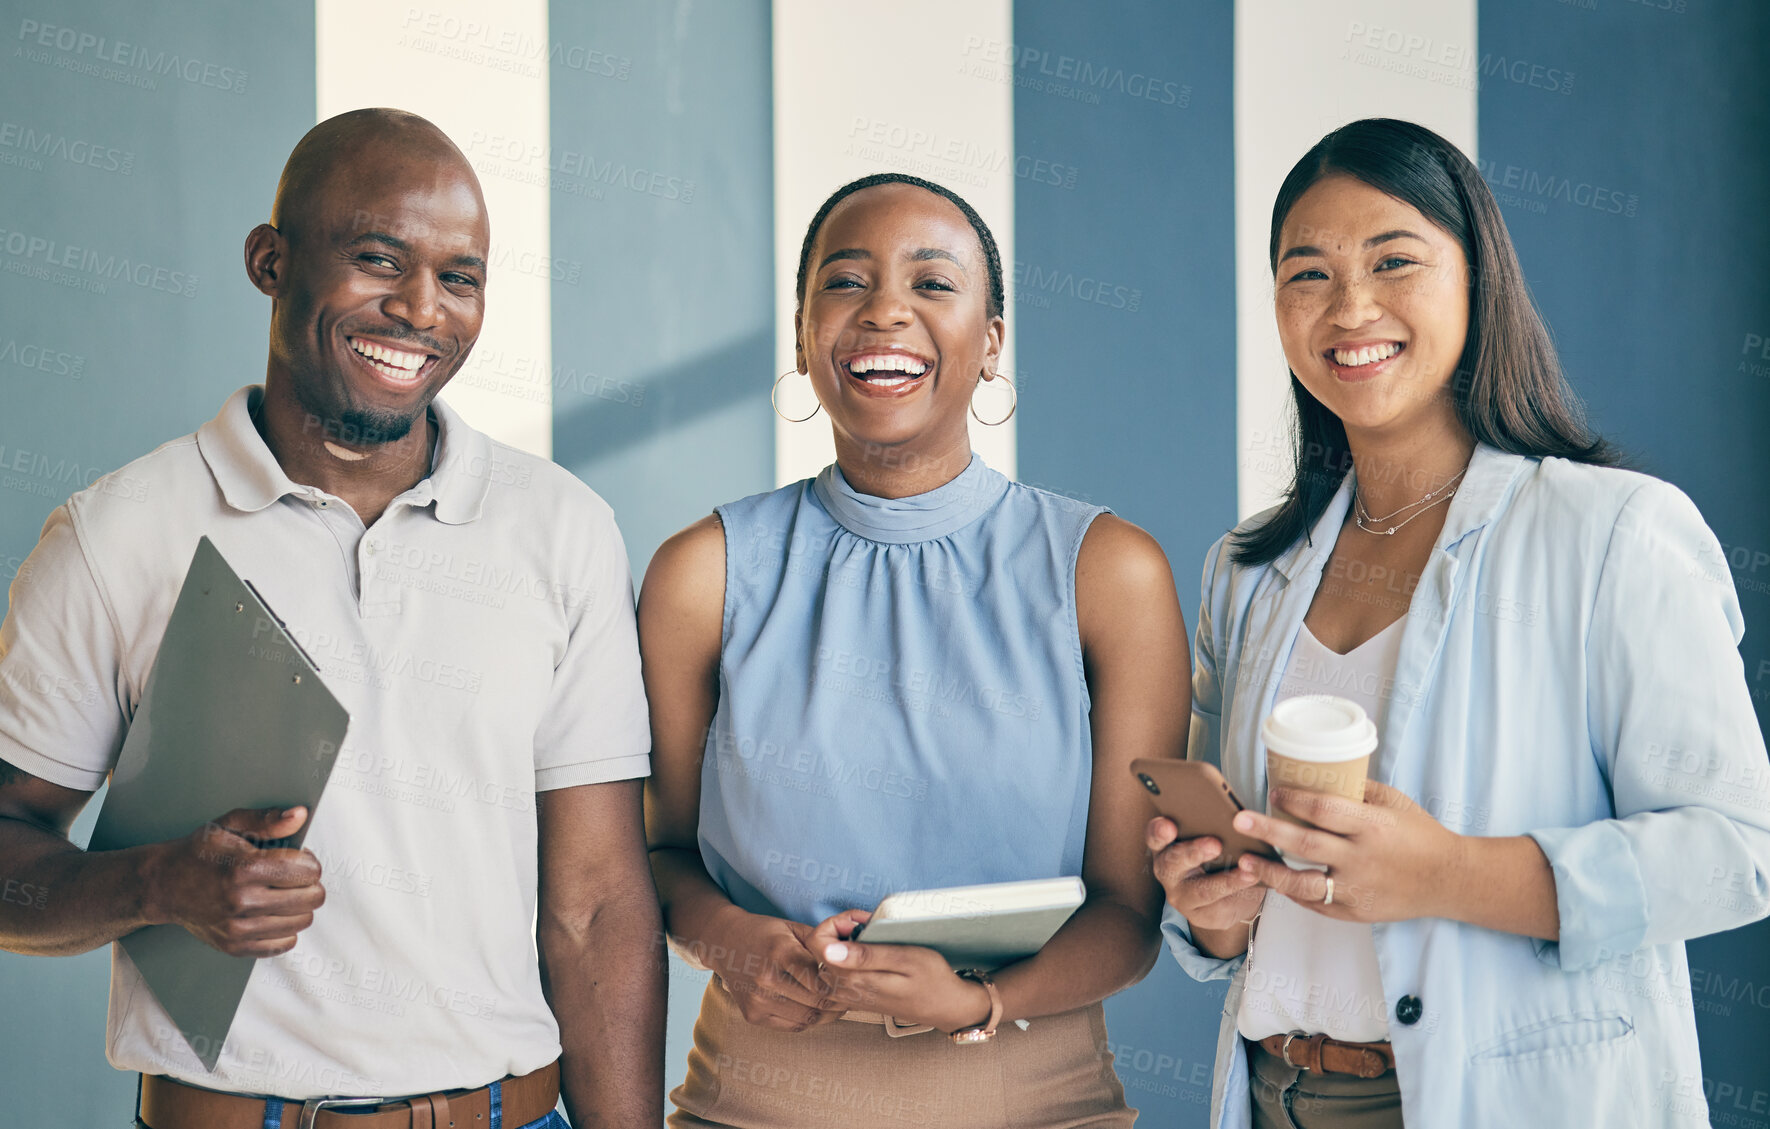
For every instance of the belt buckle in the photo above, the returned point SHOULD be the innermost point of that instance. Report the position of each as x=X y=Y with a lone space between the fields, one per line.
x=311 y=1109
x=1284 y=1052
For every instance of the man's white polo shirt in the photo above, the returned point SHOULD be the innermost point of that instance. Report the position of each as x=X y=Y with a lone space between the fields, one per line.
x=481 y=634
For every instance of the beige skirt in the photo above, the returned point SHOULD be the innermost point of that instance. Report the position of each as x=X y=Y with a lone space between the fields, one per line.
x=1056 y=1074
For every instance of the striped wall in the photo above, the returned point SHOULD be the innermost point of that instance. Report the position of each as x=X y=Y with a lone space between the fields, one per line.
x=916 y=93
x=1125 y=302
x=650 y=167
x=663 y=205
x=663 y=305
x=1126 y=263
x=137 y=148
x=1625 y=143
x=479 y=70
x=1301 y=69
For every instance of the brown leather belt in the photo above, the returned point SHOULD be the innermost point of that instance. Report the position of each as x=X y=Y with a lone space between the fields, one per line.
x=169 y=1104
x=1331 y=1056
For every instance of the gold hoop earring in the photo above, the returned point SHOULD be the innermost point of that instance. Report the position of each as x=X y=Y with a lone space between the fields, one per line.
x=1012 y=408
x=775 y=391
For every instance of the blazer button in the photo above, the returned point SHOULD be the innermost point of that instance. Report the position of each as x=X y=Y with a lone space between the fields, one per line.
x=1408 y=1009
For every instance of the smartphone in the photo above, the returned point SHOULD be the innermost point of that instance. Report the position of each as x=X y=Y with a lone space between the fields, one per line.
x=1200 y=802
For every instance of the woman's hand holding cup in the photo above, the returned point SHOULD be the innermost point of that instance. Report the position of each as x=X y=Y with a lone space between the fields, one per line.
x=1378 y=854
x=1389 y=859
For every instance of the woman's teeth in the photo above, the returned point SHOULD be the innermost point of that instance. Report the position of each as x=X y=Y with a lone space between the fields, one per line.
x=887 y=370
x=393 y=362
x=1369 y=355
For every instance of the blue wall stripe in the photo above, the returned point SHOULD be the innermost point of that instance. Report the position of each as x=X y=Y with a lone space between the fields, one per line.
x=1124 y=284
x=662 y=171
x=1125 y=315
x=1626 y=144
x=662 y=167
x=138 y=146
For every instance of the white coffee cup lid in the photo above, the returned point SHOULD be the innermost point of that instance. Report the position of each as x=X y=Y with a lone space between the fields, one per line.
x=1319 y=728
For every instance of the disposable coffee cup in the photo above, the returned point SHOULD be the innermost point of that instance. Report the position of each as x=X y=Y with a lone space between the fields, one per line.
x=1316 y=743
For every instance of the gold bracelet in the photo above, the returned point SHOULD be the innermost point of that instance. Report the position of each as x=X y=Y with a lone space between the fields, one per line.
x=968 y=1036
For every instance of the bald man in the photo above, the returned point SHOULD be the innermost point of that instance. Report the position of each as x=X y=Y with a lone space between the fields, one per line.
x=472 y=608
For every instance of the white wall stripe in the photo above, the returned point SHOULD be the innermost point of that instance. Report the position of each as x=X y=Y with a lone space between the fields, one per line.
x=1303 y=67
x=854 y=94
x=479 y=70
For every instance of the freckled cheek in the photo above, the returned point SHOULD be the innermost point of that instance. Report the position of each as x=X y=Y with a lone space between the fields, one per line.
x=1439 y=296
x=1296 y=318
x=1428 y=294
x=1438 y=319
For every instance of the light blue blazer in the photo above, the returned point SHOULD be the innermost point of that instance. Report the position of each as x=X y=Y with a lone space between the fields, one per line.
x=1569 y=670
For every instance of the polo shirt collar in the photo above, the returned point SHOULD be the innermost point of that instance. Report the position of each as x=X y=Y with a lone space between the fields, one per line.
x=250 y=478
x=461 y=476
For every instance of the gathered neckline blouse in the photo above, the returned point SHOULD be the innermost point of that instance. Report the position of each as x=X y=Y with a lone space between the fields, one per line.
x=902 y=703
x=919 y=517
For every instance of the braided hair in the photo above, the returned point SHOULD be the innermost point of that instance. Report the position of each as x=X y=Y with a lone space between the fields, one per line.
x=992 y=255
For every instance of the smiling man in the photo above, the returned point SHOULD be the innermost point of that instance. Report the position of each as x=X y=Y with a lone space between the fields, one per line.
x=469 y=604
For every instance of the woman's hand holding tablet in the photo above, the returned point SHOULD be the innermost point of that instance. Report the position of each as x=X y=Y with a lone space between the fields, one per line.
x=909 y=983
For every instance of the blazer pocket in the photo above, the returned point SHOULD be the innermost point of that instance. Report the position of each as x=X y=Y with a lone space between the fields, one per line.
x=1561 y=1036
x=1586 y=1069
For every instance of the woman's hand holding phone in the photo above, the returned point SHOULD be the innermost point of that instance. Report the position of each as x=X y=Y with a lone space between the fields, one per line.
x=1218 y=899
x=1218 y=906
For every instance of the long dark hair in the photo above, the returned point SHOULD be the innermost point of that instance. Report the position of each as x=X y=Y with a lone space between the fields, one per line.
x=1508 y=388
x=992 y=256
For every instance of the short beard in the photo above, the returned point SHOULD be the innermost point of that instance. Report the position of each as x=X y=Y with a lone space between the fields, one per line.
x=355 y=427
x=366 y=429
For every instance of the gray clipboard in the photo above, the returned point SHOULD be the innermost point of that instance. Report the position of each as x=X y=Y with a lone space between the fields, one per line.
x=234 y=715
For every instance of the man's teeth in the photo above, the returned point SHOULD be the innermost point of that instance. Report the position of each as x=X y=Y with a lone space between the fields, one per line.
x=887 y=362
x=1369 y=355
x=397 y=359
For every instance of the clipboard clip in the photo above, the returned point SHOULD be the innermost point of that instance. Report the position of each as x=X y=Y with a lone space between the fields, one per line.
x=287 y=634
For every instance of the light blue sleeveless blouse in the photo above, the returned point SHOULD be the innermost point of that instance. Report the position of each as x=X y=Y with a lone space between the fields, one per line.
x=901 y=698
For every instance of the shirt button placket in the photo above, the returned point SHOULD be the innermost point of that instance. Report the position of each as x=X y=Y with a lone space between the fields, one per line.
x=379 y=595
x=365 y=564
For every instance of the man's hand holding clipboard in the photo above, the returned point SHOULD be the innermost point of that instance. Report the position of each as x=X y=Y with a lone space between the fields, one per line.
x=234 y=718
x=232 y=885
